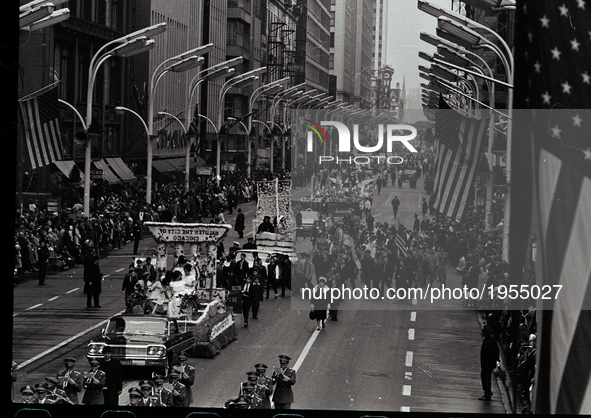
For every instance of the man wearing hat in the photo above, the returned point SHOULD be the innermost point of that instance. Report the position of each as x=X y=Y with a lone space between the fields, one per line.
x=187 y=377
x=28 y=394
x=249 y=245
x=163 y=393
x=266 y=382
x=179 y=391
x=70 y=381
x=42 y=392
x=251 y=395
x=94 y=380
x=58 y=396
x=147 y=390
x=135 y=397
x=284 y=378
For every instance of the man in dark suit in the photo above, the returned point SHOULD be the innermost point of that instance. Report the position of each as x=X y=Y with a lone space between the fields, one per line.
x=256 y=294
x=284 y=378
x=113 y=377
x=246 y=301
x=242 y=268
x=239 y=224
x=250 y=245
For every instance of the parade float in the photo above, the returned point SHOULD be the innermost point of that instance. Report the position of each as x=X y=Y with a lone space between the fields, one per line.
x=204 y=311
x=274 y=202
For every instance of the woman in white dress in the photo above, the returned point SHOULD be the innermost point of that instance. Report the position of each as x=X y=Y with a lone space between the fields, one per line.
x=157 y=295
x=177 y=287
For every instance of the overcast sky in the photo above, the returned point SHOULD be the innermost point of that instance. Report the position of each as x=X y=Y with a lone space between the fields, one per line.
x=405 y=24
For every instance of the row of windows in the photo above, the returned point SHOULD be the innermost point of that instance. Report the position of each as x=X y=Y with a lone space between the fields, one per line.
x=102 y=12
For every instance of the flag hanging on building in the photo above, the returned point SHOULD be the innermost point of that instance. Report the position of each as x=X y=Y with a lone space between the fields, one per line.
x=458 y=146
x=551 y=192
x=40 y=115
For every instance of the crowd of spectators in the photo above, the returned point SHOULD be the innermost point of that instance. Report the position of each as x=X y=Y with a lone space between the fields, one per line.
x=116 y=218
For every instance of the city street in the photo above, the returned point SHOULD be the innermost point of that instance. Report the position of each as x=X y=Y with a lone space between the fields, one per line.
x=406 y=360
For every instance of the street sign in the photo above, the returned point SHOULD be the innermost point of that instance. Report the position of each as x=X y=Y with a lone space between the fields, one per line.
x=96 y=174
x=204 y=171
x=181 y=232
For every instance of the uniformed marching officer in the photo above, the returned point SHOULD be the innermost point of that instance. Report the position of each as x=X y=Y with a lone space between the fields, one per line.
x=251 y=377
x=252 y=396
x=94 y=380
x=147 y=390
x=187 y=377
x=135 y=397
x=28 y=394
x=163 y=393
x=57 y=395
x=284 y=378
x=179 y=391
x=42 y=392
x=265 y=381
x=70 y=381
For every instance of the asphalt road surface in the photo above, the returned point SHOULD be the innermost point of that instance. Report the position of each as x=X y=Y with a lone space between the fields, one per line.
x=380 y=360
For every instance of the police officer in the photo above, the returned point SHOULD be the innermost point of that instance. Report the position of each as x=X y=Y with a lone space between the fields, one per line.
x=147 y=390
x=284 y=378
x=94 y=380
x=28 y=395
x=187 y=377
x=163 y=393
x=179 y=391
x=42 y=392
x=57 y=395
x=266 y=382
x=135 y=397
x=252 y=396
x=70 y=381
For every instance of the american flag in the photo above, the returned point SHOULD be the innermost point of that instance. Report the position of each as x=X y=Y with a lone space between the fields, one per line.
x=403 y=242
x=551 y=191
x=41 y=125
x=194 y=125
x=458 y=146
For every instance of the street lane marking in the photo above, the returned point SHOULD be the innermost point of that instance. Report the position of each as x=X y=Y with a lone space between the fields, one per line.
x=306 y=350
x=34 y=306
x=405 y=409
x=121 y=269
x=53 y=298
x=411 y=334
x=408 y=375
x=409 y=356
x=68 y=341
x=413 y=316
x=406 y=390
x=73 y=290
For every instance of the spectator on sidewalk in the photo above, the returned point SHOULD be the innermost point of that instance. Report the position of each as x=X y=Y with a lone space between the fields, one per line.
x=489 y=355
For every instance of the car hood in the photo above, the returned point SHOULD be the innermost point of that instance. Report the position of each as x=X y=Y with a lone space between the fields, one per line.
x=131 y=339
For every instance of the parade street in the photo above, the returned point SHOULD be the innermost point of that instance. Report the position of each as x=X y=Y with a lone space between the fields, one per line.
x=406 y=360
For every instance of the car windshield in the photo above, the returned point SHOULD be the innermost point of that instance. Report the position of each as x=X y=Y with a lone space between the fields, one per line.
x=136 y=326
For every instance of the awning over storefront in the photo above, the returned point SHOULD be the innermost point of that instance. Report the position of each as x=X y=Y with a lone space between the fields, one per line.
x=121 y=169
x=66 y=167
x=107 y=173
x=166 y=165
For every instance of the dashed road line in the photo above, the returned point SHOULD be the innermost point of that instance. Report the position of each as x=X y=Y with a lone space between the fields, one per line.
x=405 y=409
x=53 y=298
x=409 y=357
x=73 y=290
x=413 y=316
x=406 y=389
x=411 y=334
x=34 y=306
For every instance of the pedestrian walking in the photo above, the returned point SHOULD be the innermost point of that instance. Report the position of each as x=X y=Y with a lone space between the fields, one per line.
x=379 y=183
x=284 y=378
x=113 y=377
x=239 y=223
x=425 y=207
x=92 y=280
x=489 y=355
x=395 y=204
x=129 y=281
x=70 y=381
x=137 y=235
x=320 y=304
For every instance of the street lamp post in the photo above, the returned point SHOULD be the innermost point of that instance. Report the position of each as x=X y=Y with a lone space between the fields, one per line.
x=128 y=45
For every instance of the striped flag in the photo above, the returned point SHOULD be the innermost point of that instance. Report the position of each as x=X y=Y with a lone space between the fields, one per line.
x=40 y=115
x=551 y=192
x=458 y=146
x=403 y=242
